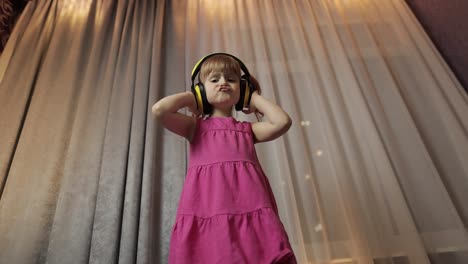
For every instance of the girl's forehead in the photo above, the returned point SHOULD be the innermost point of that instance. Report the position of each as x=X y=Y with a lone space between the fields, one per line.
x=216 y=73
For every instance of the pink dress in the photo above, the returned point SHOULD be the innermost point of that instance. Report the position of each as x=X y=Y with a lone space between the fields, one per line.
x=227 y=213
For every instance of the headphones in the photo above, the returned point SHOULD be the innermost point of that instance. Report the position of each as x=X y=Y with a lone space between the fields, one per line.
x=198 y=90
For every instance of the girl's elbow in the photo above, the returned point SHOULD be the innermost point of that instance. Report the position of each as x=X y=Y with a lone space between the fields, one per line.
x=287 y=123
x=157 y=110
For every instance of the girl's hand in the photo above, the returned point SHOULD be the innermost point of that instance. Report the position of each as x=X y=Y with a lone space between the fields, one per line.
x=249 y=110
x=252 y=107
x=193 y=108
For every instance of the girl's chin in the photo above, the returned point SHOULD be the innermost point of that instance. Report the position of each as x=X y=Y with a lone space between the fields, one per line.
x=223 y=103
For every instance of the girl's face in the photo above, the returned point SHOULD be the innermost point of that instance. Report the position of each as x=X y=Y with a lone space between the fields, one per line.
x=222 y=89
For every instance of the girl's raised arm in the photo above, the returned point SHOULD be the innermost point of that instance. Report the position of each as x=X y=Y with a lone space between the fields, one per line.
x=278 y=122
x=166 y=109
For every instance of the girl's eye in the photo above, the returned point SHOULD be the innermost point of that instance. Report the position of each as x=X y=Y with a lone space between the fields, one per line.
x=213 y=80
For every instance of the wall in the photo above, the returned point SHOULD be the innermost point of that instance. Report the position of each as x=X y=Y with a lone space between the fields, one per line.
x=446 y=23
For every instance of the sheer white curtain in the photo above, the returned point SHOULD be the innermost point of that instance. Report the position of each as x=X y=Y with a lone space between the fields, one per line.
x=374 y=169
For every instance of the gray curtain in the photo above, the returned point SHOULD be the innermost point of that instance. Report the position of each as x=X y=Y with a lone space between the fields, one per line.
x=373 y=170
x=78 y=147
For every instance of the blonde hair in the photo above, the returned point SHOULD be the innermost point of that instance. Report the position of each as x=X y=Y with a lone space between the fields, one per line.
x=220 y=63
x=229 y=66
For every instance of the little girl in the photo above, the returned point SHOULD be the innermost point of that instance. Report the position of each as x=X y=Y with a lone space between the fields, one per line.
x=227 y=212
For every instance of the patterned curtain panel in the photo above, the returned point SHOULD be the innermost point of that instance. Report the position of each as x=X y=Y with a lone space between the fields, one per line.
x=9 y=12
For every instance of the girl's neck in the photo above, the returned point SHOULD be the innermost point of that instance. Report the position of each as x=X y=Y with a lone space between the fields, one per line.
x=220 y=116
x=221 y=113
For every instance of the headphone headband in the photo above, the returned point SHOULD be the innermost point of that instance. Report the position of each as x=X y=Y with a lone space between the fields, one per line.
x=197 y=67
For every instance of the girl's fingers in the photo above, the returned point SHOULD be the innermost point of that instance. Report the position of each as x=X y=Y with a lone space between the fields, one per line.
x=249 y=110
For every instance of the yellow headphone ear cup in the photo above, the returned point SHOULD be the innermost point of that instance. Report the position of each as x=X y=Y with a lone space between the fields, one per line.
x=246 y=95
x=198 y=96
